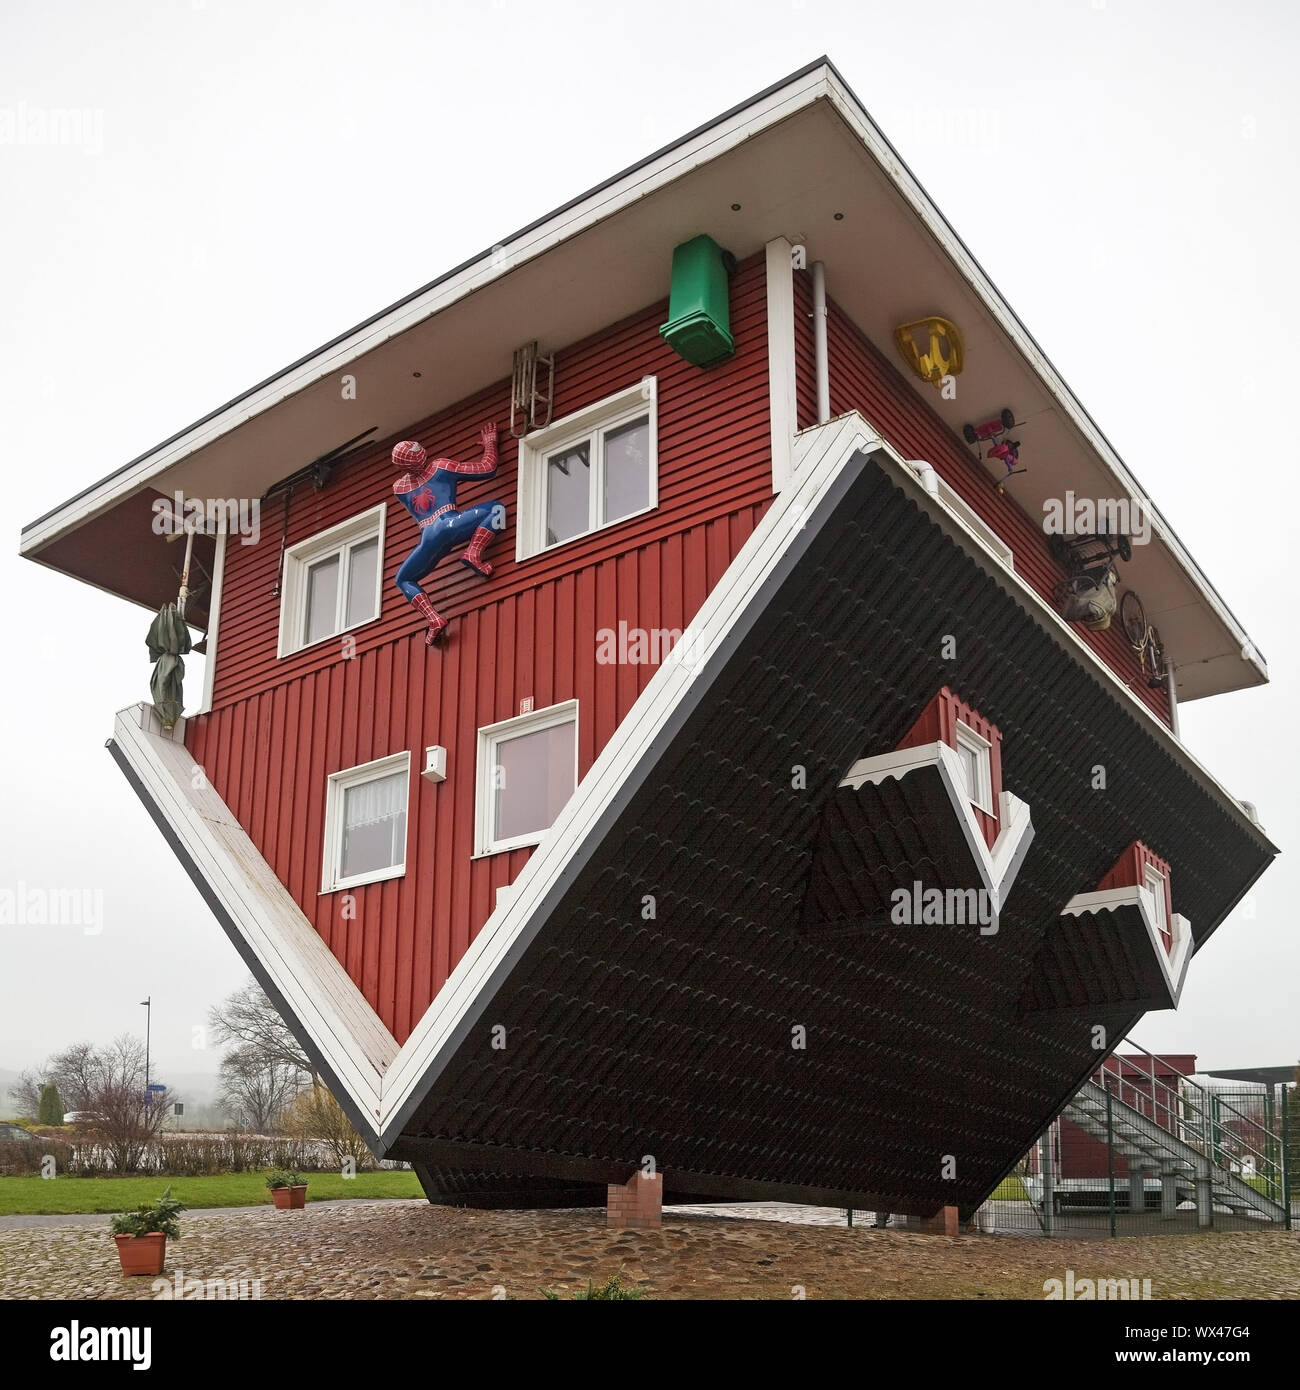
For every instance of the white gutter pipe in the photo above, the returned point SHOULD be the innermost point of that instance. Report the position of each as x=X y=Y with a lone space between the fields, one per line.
x=925 y=472
x=1173 y=699
x=819 y=342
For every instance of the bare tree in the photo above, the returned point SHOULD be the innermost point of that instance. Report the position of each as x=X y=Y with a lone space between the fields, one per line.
x=80 y=1069
x=77 y=1071
x=255 y=1089
x=25 y=1092
x=249 y=1019
x=128 y=1118
x=315 y=1114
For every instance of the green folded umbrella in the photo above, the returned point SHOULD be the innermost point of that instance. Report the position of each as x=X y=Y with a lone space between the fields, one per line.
x=169 y=640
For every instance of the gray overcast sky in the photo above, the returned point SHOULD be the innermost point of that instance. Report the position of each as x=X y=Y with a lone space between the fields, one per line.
x=253 y=178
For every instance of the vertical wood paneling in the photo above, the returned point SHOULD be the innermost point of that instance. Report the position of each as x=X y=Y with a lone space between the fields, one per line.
x=937 y=723
x=1130 y=872
x=279 y=728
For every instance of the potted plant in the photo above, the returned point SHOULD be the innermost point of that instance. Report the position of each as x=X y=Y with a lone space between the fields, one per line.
x=288 y=1190
x=141 y=1235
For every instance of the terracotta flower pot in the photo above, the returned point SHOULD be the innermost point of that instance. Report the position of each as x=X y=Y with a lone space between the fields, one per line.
x=142 y=1254
x=289 y=1198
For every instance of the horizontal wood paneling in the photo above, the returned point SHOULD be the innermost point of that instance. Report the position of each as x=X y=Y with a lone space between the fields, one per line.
x=279 y=727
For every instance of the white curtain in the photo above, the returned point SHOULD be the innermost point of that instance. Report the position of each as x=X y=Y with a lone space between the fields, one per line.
x=367 y=803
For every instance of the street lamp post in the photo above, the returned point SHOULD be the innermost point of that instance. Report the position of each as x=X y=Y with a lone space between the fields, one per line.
x=147 y=1005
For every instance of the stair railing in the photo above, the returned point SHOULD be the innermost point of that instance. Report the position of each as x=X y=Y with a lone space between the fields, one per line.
x=1201 y=1118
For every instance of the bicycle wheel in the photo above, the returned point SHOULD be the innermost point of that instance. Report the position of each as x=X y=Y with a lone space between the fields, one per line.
x=1153 y=658
x=1134 y=619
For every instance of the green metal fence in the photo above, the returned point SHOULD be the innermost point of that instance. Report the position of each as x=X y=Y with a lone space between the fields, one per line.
x=1142 y=1150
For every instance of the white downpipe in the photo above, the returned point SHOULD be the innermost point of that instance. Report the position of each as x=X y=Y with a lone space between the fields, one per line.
x=819 y=342
x=1173 y=699
x=925 y=472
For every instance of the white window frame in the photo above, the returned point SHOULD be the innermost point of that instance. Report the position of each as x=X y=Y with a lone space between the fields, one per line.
x=486 y=791
x=1154 y=882
x=980 y=795
x=298 y=560
x=592 y=422
x=332 y=881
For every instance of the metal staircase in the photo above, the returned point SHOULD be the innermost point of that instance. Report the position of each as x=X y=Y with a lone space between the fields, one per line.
x=1186 y=1136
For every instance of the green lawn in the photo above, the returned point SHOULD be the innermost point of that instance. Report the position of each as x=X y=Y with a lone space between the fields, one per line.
x=60 y=1196
x=1009 y=1190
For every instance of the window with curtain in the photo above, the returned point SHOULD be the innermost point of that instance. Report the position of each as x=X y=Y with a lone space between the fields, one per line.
x=365 y=823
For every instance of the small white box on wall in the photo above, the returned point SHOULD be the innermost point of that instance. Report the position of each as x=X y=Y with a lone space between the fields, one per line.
x=435 y=764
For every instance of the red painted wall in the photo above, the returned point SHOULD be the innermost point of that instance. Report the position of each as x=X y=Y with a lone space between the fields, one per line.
x=278 y=728
x=864 y=379
x=938 y=724
x=1129 y=871
x=1082 y=1156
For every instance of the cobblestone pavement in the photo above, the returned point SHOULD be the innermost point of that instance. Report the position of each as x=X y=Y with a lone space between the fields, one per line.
x=407 y=1249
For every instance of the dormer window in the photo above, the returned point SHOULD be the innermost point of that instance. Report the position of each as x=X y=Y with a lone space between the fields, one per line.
x=1154 y=882
x=976 y=741
x=976 y=759
x=1141 y=867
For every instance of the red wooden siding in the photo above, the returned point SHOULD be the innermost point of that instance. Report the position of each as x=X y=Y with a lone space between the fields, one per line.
x=938 y=724
x=864 y=379
x=1129 y=872
x=280 y=727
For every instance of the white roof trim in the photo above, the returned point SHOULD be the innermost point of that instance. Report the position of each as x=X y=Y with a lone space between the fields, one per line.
x=625 y=189
x=1173 y=967
x=997 y=867
x=1046 y=616
x=857 y=118
x=819 y=81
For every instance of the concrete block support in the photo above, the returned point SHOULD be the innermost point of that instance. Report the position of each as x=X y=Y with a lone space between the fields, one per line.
x=943 y=1223
x=1137 y=1189
x=1204 y=1193
x=1168 y=1196
x=638 y=1202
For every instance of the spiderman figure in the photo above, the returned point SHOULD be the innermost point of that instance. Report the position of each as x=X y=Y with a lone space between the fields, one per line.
x=427 y=489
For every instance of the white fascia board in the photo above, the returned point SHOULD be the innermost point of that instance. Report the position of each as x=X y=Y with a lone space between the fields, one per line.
x=322 y=997
x=997 y=867
x=1048 y=618
x=1172 y=966
x=602 y=203
x=783 y=413
x=860 y=123
x=214 y=620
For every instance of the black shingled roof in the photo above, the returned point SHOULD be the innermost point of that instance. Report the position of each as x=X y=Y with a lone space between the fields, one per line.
x=672 y=1037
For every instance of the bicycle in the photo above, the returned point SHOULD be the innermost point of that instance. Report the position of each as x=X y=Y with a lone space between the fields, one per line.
x=1143 y=638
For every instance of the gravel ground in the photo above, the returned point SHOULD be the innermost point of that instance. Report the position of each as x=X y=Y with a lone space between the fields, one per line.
x=406 y=1249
